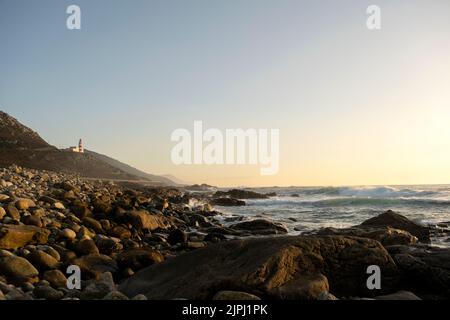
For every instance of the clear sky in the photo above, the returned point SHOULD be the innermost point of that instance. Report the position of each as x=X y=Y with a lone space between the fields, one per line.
x=353 y=106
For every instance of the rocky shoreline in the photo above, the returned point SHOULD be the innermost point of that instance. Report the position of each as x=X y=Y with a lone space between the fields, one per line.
x=152 y=243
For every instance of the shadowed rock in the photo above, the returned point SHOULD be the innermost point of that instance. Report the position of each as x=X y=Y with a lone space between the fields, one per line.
x=279 y=268
x=397 y=221
x=386 y=235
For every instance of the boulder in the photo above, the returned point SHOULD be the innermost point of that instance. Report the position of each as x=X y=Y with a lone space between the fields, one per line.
x=2 y=213
x=81 y=210
x=42 y=261
x=299 y=267
x=99 y=288
x=12 y=211
x=25 y=204
x=260 y=226
x=68 y=234
x=120 y=232
x=17 y=236
x=93 y=265
x=228 y=202
x=56 y=278
x=108 y=245
x=386 y=235
x=397 y=221
x=32 y=221
x=86 y=247
x=241 y=194
x=139 y=258
x=18 y=269
x=425 y=271
x=142 y=219
x=93 y=224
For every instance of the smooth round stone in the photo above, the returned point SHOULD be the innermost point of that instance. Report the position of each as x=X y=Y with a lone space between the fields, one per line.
x=68 y=234
x=59 y=206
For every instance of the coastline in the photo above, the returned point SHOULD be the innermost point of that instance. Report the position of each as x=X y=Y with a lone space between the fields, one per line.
x=168 y=243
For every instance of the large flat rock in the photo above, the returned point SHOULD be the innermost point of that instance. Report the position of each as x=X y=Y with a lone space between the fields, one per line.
x=18 y=236
x=299 y=267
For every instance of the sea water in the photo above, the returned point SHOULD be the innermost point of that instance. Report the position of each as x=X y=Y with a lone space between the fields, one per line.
x=310 y=208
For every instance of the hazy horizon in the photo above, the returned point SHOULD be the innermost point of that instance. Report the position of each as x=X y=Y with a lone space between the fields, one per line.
x=354 y=107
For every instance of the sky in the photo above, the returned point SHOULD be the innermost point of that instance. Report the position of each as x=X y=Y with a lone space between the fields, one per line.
x=353 y=106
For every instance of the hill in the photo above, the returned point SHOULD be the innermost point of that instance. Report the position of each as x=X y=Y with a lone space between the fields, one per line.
x=22 y=146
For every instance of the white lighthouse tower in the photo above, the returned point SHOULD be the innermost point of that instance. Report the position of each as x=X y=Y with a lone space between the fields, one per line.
x=80 y=146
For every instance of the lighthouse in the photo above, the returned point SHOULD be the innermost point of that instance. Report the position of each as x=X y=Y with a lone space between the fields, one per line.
x=80 y=146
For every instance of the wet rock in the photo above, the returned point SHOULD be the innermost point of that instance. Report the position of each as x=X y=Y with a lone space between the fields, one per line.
x=386 y=235
x=260 y=226
x=241 y=194
x=228 y=202
x=397 y=221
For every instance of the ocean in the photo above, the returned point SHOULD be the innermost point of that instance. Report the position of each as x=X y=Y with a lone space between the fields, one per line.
x=309 y=208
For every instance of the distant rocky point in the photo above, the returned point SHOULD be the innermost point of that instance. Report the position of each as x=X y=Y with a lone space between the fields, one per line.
x=20 y=145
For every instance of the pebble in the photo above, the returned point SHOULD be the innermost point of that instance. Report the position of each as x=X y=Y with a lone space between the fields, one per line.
x=68 y=234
